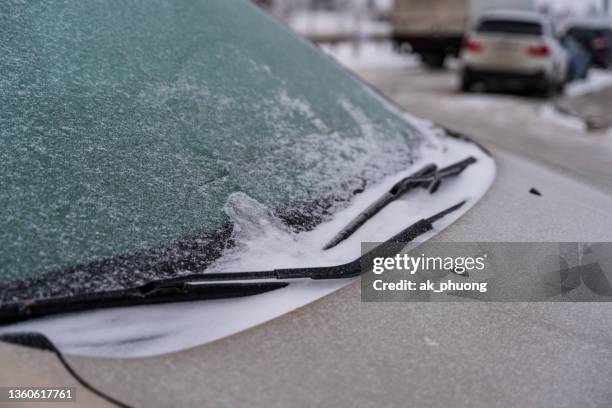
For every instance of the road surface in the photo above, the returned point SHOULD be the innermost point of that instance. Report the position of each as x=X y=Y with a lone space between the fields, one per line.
x=518 y=124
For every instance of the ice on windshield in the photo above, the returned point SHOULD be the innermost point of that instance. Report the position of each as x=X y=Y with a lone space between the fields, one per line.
x=128 y=130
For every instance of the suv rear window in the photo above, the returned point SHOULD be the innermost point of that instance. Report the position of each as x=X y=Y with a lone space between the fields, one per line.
x=509 y=27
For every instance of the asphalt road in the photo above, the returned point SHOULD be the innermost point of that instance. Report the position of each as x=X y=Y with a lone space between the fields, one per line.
x=594 y=108
x=512 y=123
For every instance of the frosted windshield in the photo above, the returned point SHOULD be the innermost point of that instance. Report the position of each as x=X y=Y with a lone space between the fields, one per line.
x=128 y=127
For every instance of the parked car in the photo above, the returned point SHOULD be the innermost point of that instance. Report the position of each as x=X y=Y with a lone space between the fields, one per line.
x=579 y=59
x=514 y=49
x=595 y=35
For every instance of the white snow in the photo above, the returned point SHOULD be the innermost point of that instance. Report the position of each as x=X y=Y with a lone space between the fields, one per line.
x=552 y=115
x=368 y=55
x=504 y=111
x=342 y=23
x=597 y=80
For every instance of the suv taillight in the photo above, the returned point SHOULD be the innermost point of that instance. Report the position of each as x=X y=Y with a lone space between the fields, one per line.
x=540 y=50
x=472 y=46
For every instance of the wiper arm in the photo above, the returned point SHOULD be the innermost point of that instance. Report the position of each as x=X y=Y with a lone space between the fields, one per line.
x=208 y=286
x=428 y=177
x=344 y=271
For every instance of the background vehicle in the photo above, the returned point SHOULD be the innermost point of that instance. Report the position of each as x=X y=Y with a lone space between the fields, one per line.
x=517 y=49
x=579 y=59
x=435 y=29
x=432 y=29
x=595 y=35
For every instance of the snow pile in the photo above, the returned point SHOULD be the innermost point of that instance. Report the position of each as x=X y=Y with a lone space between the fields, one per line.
x=598 y=79
x=552 y=115
x=369 y=55
x=341 y=23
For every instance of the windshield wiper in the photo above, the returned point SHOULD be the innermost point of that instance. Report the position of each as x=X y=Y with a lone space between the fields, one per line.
x=344 y=271
x=428 y=177
x=208 y=286
x=143 y=295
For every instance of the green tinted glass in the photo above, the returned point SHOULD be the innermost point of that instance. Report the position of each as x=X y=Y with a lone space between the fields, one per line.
x=127 y=125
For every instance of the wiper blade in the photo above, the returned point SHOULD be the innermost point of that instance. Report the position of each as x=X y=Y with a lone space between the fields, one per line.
x=143 y=295
x=209 y=286
x=428 y=177
x=344 y=271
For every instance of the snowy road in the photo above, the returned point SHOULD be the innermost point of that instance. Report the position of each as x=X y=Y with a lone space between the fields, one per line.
x=522 y=125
